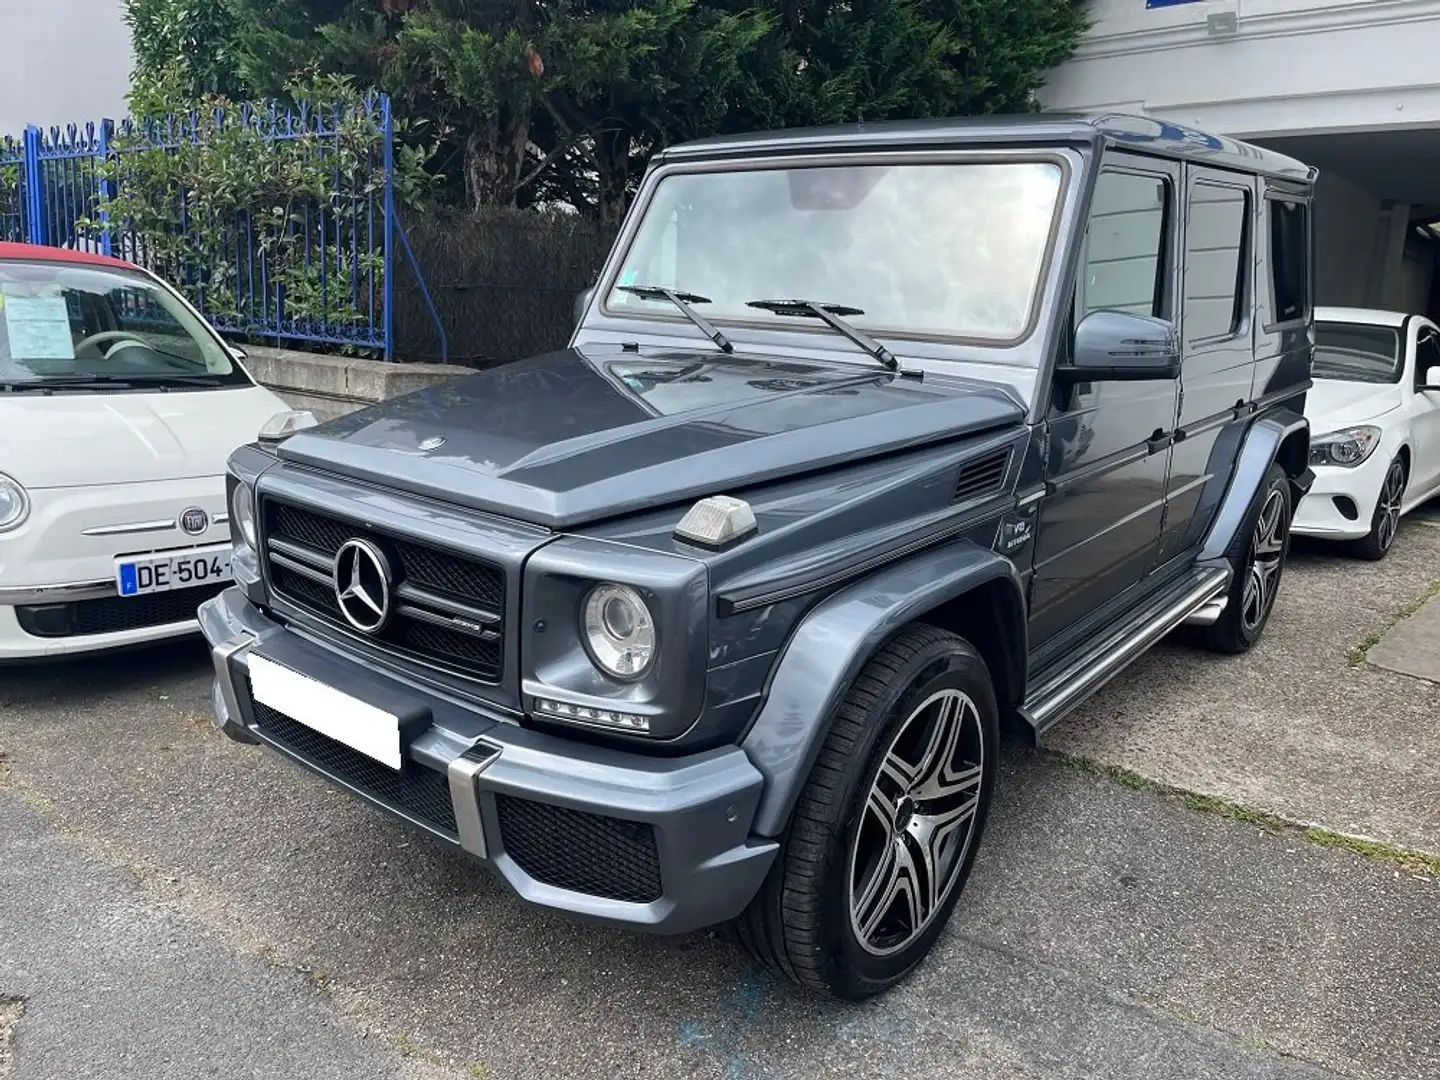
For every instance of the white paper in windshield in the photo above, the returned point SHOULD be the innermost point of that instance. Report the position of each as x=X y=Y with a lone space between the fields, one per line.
x=38 y=327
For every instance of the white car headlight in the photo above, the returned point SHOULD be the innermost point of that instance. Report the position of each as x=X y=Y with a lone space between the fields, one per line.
x=619 y=631
x=242 y=513
x=14 y=504
x=1346 y=448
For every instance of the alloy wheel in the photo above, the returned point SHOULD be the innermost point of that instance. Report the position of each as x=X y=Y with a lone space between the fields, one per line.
x=1267 y=553
x=1387 y=512
x=918 y=823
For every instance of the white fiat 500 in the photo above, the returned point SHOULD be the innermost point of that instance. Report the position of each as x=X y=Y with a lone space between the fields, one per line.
x=1374 y=416
x=119 y=405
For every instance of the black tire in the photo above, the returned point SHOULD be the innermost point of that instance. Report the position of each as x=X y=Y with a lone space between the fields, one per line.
x=1385 y=520
x=1243 y=620
x=802 y=922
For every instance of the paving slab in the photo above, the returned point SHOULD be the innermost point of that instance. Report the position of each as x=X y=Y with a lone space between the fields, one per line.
x=1107 y=933
x=1412 y=647
x=1296 y=726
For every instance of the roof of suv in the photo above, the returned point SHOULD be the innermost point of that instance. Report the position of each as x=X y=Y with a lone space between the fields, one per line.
x=1148 y=134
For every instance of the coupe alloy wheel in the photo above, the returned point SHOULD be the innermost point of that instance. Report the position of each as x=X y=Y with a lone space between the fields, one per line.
x=918 y=822
x=1387 y=511
x=1267 y=553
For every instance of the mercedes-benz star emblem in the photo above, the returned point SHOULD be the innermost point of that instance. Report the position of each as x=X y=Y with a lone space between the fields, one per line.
x=362 y=585
x=194 y=521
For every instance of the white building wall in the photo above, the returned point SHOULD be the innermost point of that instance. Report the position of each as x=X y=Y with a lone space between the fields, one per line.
x=1294 y=66
x=65 y=62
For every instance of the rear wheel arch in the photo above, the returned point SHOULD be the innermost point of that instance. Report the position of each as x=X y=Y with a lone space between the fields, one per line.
x=1294 y=452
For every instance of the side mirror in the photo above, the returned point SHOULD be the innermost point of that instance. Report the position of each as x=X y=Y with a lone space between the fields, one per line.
x=238 y=353
x=1432 y=379
x=582 y=301
x=1117 y=345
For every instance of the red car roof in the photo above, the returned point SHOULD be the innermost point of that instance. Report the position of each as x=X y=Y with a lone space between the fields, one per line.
x=44 y=253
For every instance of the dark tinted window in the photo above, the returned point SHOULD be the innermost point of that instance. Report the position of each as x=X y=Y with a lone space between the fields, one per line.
x=1214 y=265
x=1125 y=246
x=1289 y=259
x=1355 y=352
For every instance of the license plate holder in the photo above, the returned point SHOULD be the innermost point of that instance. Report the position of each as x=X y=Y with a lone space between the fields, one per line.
x=368 y=729
x=165 y=571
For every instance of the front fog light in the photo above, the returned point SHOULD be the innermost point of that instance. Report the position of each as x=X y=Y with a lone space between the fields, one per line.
x=619 y=631
x=242 y=512
x=14 y=504
x=584 y=714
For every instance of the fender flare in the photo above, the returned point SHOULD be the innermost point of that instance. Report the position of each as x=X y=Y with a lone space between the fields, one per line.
x=835 y=641
x=1259 y=450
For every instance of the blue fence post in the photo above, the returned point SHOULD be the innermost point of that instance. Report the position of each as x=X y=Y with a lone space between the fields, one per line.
x=388 y=259
x=105 y=188
x=36 y=231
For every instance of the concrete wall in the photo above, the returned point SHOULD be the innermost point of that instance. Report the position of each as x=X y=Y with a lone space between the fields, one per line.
x=330 y=386
x=65 y=62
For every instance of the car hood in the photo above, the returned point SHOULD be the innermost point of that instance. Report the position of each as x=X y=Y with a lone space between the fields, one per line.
x=78 y=440
x=579 y=435
x=1332 y=404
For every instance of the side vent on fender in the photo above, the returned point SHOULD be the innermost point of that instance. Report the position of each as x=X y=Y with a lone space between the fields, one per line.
x=983 y=476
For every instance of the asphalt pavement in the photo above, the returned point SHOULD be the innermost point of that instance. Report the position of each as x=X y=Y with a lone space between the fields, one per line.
x=174 y=905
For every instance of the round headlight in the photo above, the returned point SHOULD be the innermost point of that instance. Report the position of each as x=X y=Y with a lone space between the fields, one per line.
x=619 y=631
x=242 y=512
x=14 y=504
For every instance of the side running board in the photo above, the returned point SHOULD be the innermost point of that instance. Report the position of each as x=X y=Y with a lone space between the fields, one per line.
x=1197 y=598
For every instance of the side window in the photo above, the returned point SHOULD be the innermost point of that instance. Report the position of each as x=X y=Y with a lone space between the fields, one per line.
x=1289 y=259
x=1427 y=355
x=1214 y=262
x=1124 y=257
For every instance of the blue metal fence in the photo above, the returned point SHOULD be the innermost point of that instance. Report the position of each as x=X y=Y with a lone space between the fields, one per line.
x=276 y=223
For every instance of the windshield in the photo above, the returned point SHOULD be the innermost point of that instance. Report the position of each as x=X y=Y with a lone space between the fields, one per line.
x=73 y=325
x=926 y=250
x=1355 y=352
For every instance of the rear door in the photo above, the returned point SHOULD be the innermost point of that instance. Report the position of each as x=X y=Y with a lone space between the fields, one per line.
x=1217 y=343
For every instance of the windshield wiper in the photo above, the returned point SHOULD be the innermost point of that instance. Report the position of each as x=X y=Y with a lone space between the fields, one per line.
x=831 y=313
x=45 y=383
x=682 y=300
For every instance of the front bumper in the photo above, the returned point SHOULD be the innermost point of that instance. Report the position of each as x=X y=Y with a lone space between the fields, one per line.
x=659 y=844
x=1341 y=503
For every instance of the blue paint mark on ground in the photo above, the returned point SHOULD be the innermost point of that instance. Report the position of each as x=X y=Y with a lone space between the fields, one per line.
x=738 y=1014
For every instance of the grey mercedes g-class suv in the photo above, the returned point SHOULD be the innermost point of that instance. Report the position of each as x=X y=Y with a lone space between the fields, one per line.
x=869 y=444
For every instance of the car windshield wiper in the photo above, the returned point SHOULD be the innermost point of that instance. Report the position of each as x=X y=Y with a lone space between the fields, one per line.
x=682 y=300
x=830 y=313
x=45 y=383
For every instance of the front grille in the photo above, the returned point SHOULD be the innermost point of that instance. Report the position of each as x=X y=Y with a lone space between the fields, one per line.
x=114 y=614
x=448 y=608
x=414 y=790
x=585 y=853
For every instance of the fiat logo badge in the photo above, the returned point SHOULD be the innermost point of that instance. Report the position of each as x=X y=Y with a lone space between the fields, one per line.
x=194 y=521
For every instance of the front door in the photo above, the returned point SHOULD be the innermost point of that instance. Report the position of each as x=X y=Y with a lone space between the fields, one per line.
x=1425 y=421
x=1099 y=528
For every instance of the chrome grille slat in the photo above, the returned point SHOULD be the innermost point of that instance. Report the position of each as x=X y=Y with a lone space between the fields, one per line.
x=448 y=606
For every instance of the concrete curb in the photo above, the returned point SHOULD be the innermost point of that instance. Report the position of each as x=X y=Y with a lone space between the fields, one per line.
x=333 y=385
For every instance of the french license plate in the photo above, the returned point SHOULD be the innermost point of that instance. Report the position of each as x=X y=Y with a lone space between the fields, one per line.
x=358 y=724
x=163 y=571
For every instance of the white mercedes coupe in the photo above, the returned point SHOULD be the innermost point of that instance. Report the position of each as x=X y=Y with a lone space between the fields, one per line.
x=119 y=405
x=1374 y=414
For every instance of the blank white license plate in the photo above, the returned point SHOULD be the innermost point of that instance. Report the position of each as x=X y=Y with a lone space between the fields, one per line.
x=348 y=720
x=166 y=570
